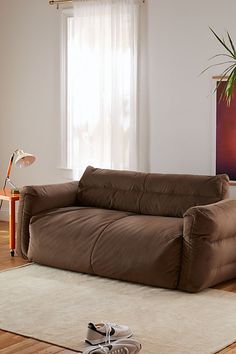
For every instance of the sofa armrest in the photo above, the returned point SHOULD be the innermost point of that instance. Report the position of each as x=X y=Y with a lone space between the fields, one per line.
x=35 y=199
x=209 y=245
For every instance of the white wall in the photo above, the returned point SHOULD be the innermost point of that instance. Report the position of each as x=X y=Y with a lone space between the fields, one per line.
x=180 y=102
x=178 y=46
x=29 y=87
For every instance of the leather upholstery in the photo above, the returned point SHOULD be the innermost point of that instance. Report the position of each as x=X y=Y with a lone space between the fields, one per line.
x=173 y=231
x=109 y=242
x=149 y=193
x=209 y=245
x=141 y=248
x=33 y=200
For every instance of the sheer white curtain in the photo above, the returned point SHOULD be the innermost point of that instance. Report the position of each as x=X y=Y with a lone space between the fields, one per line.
x=104 y=84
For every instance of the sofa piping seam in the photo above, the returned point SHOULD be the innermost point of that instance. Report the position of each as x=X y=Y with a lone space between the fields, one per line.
x=181 y=262
x=21 y=230
x=144 y=191
x=159 y=193
x=190 y=248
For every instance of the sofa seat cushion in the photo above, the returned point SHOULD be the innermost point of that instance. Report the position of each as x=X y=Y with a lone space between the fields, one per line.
x=141 y=248
x=121 y=245
x=65 y=237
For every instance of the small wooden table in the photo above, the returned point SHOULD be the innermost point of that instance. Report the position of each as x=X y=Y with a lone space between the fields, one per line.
x=6 y=194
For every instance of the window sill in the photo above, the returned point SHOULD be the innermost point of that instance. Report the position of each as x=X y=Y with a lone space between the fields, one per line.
x=66 y=173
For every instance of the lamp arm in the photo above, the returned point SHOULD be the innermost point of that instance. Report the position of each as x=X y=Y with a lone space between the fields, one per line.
x=10 y=165
x=11 y=183
x=7 y=179
x=18 y=155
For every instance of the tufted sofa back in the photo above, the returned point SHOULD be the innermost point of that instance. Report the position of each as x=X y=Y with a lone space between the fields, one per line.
x=149 y=193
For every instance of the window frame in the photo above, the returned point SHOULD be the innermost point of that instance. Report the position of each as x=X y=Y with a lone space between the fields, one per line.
x=65 y=14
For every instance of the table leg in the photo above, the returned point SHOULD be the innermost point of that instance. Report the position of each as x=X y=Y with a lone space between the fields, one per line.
x=12 y=227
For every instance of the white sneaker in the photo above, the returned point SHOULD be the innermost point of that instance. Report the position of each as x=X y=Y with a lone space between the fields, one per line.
x=122 y=346
x=105 y=332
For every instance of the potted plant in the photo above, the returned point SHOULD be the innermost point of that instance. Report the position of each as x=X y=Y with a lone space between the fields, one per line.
x=229 y=74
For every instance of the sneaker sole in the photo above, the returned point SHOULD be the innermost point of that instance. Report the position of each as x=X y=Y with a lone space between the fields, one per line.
x=112 y=339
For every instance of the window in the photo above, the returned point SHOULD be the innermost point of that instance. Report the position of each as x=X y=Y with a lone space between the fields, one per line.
x=99 y=85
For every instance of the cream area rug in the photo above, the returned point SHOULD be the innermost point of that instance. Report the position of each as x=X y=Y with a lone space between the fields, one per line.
x=55 y=306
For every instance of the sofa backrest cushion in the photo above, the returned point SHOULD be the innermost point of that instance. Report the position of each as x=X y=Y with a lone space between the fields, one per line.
x=149 y=193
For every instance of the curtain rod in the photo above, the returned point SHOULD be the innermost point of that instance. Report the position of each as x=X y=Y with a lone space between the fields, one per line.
x=55 y=2
x=58 y=2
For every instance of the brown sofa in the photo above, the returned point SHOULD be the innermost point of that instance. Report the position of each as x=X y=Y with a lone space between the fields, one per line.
x=171 y=231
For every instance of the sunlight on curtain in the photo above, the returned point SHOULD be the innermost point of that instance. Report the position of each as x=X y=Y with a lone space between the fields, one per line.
x=103 y=84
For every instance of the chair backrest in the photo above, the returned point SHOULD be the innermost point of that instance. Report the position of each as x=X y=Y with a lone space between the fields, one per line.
x=149 y=193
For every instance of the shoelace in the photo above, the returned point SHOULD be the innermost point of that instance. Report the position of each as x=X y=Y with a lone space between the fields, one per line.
x=108 y=331
x=108 y=326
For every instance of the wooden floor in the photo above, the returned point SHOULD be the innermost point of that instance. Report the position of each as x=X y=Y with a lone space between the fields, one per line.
x=14 y=344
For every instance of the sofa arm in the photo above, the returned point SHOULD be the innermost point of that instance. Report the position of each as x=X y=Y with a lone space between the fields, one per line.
x=35 y=199
x=209 y=245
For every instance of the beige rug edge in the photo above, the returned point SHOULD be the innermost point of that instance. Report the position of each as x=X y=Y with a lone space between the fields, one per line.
x=38 y=339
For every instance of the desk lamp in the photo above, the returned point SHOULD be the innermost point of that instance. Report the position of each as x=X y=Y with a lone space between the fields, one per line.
x=22 y=159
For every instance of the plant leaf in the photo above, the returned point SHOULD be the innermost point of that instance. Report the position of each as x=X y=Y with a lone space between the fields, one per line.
x=226 y=71
x=222 y=55
x=222 y=42
x=223 y=76
x=228 y=92
x=231 y=43
x=211 y=66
